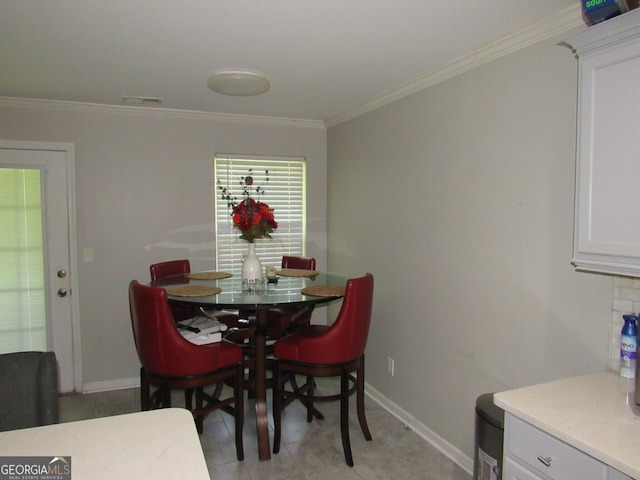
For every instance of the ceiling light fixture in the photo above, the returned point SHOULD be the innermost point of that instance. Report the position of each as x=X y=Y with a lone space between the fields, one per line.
x=238 y=83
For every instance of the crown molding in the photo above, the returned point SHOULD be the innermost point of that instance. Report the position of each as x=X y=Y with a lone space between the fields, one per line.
x=562 y=22
x=81 y=107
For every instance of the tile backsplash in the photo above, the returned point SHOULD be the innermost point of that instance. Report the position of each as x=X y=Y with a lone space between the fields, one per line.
x=626 y=299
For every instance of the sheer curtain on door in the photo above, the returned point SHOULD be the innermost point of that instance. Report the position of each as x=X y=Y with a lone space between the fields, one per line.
x=22 y=293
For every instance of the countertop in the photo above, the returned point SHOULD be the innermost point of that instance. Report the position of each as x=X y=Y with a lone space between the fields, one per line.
x=594 y=413
x=144 y=445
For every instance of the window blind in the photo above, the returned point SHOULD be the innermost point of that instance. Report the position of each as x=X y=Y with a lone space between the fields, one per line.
x=284 y=191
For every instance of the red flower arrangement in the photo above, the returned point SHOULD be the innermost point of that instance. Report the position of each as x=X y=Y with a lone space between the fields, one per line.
x=253 y=218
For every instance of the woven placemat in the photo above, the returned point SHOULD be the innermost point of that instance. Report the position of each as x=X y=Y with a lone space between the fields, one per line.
x=209 y=275
x=193 y=291
x=296 y=272
x=324 y=291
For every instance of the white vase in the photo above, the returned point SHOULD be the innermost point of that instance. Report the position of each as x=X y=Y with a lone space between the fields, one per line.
x=251 y=266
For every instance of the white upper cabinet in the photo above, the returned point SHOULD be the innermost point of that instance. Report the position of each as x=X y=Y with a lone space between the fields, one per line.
x=607 y=210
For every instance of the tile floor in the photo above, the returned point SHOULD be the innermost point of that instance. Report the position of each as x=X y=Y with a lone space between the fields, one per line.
x=309 y=451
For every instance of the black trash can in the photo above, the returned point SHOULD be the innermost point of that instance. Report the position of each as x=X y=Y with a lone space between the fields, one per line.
x=487 y=462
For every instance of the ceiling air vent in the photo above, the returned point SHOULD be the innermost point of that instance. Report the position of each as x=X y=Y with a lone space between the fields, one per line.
x=141 y=100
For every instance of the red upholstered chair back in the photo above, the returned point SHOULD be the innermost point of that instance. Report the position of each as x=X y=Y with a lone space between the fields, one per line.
x=346 y=339
x=303 y=263
x=173 y=267
x=161 y=348
x=161 y=270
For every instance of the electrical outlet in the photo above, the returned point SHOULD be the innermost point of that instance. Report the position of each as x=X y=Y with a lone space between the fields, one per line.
x=391 y=366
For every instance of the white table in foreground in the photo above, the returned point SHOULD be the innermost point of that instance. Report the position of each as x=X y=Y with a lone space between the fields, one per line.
x=144 y=445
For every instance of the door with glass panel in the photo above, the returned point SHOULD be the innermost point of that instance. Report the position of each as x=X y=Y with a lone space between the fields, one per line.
x=38 y=310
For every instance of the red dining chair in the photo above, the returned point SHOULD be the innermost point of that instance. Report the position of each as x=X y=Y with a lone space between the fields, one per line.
x=288 y=319
x=158 y=271
x=327 y=351
x=303 y=263
x=171 y=362
x=166 y=269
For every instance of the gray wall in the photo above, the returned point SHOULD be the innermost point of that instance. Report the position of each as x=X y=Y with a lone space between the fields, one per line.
x=459 y=199
x=145 y=194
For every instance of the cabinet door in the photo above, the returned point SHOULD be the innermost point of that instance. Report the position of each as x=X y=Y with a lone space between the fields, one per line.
x=514 y=471
x=607 y=229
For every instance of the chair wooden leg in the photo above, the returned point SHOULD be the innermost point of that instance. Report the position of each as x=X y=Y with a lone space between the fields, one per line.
x=218 y=390
x=344 y=417
x=251 y=375
x=166 y=395
x=145 y=390
x=277 y=386
x=310 y=381
x=238 y=393
x=188 y=395
x=204 y=402
x=360 y=401
x=199 y=419
x=310 y=391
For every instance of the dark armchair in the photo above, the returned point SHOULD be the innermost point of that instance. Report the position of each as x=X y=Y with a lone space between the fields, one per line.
x=28 y=389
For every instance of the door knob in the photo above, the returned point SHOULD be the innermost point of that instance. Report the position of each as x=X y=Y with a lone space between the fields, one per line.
x=62 y=292
x=62 y=274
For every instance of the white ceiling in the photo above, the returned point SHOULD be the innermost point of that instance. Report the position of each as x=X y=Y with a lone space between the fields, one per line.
x=324 y=58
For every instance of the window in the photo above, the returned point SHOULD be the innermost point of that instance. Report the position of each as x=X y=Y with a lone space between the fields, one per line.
x=284 y=192
x=22 y=295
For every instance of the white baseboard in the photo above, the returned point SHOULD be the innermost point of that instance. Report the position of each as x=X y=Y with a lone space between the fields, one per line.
x=444 y=447
x=105 y=386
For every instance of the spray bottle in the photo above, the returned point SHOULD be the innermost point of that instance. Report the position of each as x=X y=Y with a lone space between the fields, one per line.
x=628 y=346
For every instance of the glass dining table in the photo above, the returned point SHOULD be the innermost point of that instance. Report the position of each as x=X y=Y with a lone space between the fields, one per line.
x=321 y=288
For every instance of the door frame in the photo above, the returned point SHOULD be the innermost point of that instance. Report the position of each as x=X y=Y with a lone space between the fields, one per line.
x=68 y=149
